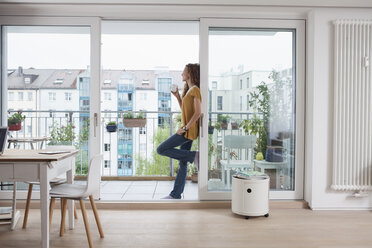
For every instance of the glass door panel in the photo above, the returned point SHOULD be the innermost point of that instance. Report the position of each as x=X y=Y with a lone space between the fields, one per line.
x=48 y=82
x=251 y=92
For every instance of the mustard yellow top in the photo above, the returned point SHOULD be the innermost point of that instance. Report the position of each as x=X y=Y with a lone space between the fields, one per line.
x=188 y=111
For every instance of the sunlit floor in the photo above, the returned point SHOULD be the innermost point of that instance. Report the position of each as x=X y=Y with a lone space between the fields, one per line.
x=203 y=228
x=144 y=190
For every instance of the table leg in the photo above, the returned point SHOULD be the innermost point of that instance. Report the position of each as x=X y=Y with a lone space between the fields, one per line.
x=15 y=213
x=70 y=179
x=44 y=205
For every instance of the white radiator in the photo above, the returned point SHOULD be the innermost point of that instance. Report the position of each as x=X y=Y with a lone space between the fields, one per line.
x=352 y=134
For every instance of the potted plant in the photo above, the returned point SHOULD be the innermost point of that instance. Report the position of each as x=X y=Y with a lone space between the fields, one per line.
x=210 y=128
x=132 y=120
x=111 y=127
x=15 y=121
x=223 y=119
x=194 y=174
x=217 y=126
x=234 y=125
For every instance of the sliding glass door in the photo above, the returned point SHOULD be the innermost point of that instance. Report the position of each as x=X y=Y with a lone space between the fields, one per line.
x=252 y=74
x=50 y=72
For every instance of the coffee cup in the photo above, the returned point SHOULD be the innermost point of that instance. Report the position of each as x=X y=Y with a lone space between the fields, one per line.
x=174 y=87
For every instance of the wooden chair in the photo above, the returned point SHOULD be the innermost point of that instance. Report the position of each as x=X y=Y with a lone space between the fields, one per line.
x=53 y=182
x=238 y=142
x=80 y=192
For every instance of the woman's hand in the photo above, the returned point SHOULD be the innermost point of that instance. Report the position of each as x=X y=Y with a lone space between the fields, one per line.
x=181 y=131
x=176 y=93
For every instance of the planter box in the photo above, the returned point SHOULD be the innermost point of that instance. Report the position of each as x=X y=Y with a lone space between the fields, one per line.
x=134 y=122
x=15 y=127
x=111 y=128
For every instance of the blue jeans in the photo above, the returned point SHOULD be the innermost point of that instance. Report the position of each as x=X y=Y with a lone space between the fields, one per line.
x=184 y=155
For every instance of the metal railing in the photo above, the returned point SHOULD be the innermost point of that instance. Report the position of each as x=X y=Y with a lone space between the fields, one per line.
x=128 y=151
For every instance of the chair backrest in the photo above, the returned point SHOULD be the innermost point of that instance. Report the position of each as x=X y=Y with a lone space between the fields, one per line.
x=94 y=174
x=241 y=142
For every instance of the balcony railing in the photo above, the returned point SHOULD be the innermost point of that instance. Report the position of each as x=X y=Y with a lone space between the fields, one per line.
x=128 y=151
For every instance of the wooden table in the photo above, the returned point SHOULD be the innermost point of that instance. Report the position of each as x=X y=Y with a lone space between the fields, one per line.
x=29 y=165
x=30 y=140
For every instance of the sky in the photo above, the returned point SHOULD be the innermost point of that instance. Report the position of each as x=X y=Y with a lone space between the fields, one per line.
x=227 y=50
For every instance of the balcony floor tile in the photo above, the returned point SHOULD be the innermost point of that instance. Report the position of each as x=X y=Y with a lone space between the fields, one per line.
x=144 y=190
x=137 y=197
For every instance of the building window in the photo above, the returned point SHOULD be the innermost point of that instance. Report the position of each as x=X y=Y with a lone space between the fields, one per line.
x=248 y=82
x=142 y=130
x=107 y=147
x=52 y=96
x=27 y=80
x=143 y=96
x=58 y=81
x=68 y=96
x=29 y=96
x=107 y=96
x=241 y=83
x=241 y=103
x=20 y=96
x=107 y=81
x=107 y=163
x=219 y=102
x=214 y=85
x=11 y=96
x=247 y=102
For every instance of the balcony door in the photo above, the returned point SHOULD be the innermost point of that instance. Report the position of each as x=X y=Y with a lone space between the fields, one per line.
x=50 y=73
x=252 y=74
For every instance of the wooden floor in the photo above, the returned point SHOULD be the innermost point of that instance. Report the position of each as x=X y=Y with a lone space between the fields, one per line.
x=297 y=228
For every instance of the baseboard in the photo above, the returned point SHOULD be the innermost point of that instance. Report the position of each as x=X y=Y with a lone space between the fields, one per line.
x=152 y=205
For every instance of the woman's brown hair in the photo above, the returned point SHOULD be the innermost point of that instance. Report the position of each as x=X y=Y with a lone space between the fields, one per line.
x=194 y=71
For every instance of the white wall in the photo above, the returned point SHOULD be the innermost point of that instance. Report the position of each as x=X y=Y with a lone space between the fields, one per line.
x=319 y=112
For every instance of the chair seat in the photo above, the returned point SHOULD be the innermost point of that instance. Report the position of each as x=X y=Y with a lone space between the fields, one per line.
x=236 y=163
x=54 y=181
x=74 y=191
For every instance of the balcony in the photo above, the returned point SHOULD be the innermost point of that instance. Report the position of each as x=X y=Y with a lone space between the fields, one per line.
x=131 y=168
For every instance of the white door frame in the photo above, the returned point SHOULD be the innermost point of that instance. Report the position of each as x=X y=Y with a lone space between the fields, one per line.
x=95 y=73
x=299 y=66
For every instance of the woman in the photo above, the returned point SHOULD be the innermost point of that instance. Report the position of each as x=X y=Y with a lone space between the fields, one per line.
x=190 y=105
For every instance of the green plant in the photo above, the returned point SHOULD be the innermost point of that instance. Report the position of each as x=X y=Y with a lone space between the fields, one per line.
x=255 y=126
x=223 y=118
x=129 y=115
x=16 y=118
x=62 y=135
x=141 y=115
x=111 y=123
x=178 y=120
x=217 y=126
x=193 y=170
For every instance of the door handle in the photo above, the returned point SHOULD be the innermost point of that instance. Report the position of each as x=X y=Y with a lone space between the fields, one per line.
x=95 y=124
x=201 y=125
